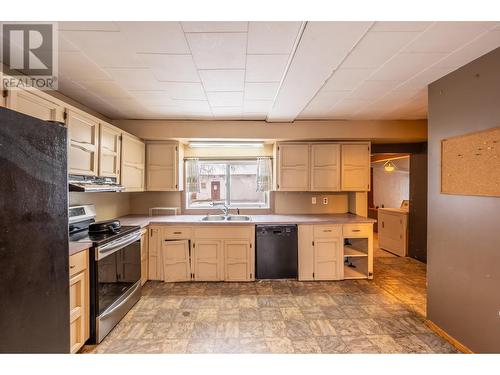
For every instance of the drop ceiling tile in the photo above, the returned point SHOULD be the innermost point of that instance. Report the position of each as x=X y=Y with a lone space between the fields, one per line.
x=218 y=50
x=323 y=102
x=173 y=68
x=424 y=78
x=78 y=67
x=261 y=91
x=155 y=37
x=376 y=48
x=483 y=44
x=225 y=99
x=184 y=90
x=105 y=89
x=257 y=106
x=134 y=79
x=227 y=112
x=265 y=68
x=97 y=46
x=214 y=26
x=66 y=46
x=88 y=26
x=223 y=80
x=159 y=98
x=254 y=116
x=347 y=79
x=193 y=105
x=272 y=37
x=71 y=88
x=403 y=66
x=400 y=26
x=445 y=37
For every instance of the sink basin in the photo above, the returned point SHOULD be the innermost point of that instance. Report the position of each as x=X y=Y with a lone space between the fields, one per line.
x=213 y=218
x=238 y=218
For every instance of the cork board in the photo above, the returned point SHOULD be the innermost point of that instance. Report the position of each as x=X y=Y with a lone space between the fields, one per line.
x=470 y=164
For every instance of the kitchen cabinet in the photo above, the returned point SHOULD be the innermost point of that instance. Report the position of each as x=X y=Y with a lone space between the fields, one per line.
x=83 y=142
x=154 y=251
x=109 y=150
x=35 y=103
x=133 y=156
x=292 y=172
x=325 y=167
x=393 y=230
x=320 y=252
x=79 y=300
x=207 y=260
x=164 y=171
x=144 y=255
x=238 y=260
x=175 y=258
x=355 y=174
x=358 y=251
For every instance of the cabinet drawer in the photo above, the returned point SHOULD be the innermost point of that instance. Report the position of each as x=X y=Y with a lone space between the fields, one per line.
x=78 y=262
x=228 y=232
x=177 y=233
x=357 y=230
x=327 y=231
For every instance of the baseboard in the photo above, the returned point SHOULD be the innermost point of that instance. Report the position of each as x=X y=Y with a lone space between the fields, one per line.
x=457 y=344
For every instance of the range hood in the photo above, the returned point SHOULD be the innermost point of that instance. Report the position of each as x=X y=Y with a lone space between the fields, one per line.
x=93 y=184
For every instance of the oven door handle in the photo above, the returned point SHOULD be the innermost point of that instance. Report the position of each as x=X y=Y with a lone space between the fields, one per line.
x=104 y=251
x=114 y=308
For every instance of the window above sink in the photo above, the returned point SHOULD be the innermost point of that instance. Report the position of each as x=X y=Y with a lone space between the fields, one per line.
x=234 y=183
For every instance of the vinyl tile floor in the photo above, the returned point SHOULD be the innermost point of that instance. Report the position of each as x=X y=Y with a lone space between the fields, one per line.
x=383 y=315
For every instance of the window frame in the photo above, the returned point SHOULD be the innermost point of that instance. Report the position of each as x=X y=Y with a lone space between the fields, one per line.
x=267 y=194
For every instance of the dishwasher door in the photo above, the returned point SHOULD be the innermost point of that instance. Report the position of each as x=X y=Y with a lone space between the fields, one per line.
x=276 y=251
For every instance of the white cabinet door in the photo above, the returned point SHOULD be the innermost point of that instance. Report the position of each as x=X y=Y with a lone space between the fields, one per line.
x=133 y=166
x=325 y=167
x=306 y=252
x=238 y=260
x=293 y=167
x=355 y=167
x=83 y=144
x=34 y=104
x=175 y=260
x=109 y=151
x=328 y=259
x=162 y=167
x=207 y=260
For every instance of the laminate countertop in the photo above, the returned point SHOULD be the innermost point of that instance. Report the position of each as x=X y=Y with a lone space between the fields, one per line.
x=76 y=247
x=144 y=220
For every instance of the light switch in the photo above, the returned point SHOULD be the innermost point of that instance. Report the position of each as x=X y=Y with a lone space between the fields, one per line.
x=325 y=200
x=313 y=200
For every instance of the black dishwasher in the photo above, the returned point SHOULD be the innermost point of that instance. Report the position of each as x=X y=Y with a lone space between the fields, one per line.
x=276 y=251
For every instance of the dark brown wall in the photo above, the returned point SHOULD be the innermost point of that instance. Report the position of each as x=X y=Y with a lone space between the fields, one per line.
x=464 y=231
x=417 y=218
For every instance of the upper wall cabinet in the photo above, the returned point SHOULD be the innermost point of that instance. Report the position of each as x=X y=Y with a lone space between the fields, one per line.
x=132 y=163
x=109 y=151
x=164 y=166
x=355 y=167
x=36 y=104
x=83 y=132
x=292 y=172
x=325 y=167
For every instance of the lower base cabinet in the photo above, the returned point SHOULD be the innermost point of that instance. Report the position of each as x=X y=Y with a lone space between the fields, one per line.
x=78 y=300
x=207 y=260
x=175 y=258
x=238 y=260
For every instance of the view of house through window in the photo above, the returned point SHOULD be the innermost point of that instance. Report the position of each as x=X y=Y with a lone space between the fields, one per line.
x=230 y=182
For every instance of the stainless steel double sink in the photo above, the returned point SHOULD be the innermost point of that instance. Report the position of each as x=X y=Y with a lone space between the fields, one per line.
x=226 y=218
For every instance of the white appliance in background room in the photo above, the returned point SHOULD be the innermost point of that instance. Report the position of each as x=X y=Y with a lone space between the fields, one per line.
x=393 y=229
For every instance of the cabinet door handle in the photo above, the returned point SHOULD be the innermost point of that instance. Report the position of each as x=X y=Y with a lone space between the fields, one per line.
x=71 y=267
x=356 y=230
x=327 y=230
x=177 y=232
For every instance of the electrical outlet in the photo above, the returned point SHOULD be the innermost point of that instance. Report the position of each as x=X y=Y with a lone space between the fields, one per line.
x=313 y=200
x=325 y=200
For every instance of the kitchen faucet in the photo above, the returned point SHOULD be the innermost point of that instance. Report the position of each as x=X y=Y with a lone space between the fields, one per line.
x=225 y=208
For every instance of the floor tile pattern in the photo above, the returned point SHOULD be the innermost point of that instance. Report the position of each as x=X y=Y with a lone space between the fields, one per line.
x=384 y=315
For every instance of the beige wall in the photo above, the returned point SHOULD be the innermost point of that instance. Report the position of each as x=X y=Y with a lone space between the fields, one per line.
x=140 y=203
x=300 y=203
x=379 y=131
x=108 y=205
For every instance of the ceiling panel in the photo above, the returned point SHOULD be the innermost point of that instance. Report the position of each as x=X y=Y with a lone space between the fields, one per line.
x=373 y=89
x=184 y=90
x=261 y=91
x=265 y=68
x=88 y=26
x=272 y=37
x=322 y=103
x=173 y=68
x=134 y=78
x=225 y=99
x=257 y=106
x=347 y=79
x=218 y=50
x=76 y=66
x=214 y=26
x=405 y=65
x=106 y=89
x=400 y=26
x=223 y=80
x=377 y=47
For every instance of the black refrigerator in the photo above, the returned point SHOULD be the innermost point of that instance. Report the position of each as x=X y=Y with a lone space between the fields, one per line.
x=34 y=275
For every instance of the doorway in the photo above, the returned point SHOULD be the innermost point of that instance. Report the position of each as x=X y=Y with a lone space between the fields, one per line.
x=215 y=191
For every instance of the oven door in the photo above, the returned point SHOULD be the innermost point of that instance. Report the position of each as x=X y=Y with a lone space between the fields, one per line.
x=117 y=281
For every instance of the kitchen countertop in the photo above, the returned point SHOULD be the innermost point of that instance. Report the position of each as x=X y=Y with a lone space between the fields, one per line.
x=76 y=247
x=396 y=210
x=144 y=220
